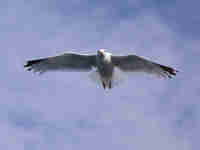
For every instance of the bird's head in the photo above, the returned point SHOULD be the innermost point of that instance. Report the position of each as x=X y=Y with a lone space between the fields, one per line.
x=101 y=53
x=104 y=56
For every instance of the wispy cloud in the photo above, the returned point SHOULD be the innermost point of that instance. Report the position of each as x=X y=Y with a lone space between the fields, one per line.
x=53 y=112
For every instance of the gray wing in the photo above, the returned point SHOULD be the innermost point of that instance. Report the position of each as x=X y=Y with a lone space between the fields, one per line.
x=65 y=62
x=133 y=63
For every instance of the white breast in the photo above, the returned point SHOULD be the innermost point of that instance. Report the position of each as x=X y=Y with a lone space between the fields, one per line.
x=107 y=57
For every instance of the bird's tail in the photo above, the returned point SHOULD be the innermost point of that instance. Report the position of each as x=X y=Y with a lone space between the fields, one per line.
x=117 y=79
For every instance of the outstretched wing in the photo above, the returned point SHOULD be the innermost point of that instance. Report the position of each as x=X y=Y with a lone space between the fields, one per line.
x=65 y=62
x=133 y=63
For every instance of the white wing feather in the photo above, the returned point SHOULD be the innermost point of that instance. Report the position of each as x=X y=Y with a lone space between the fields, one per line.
x=133 y=63
x=66 y=62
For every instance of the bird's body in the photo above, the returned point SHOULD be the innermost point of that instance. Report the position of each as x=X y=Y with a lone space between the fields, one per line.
x=104 y=62
x=105 y=68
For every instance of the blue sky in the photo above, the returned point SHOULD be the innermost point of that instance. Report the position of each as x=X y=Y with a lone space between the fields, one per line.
x=66 y=111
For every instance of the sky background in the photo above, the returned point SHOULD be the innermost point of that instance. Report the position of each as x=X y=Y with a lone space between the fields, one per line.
x=67 y=112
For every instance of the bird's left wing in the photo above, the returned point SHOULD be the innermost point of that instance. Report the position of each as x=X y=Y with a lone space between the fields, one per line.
x=133 y=63
x=65 y=62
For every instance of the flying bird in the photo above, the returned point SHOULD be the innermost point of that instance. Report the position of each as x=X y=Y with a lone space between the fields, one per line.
x=105 y=64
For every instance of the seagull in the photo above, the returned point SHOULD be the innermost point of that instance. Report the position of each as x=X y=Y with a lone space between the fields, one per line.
x=105 y=64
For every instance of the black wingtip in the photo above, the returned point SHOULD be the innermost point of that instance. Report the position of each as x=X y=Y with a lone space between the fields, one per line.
x=29 y=64
x=170 y=71
x=32 y=62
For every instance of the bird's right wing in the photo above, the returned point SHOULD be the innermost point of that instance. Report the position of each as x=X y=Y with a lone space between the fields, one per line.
x=133 y=63
x=65 y=62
